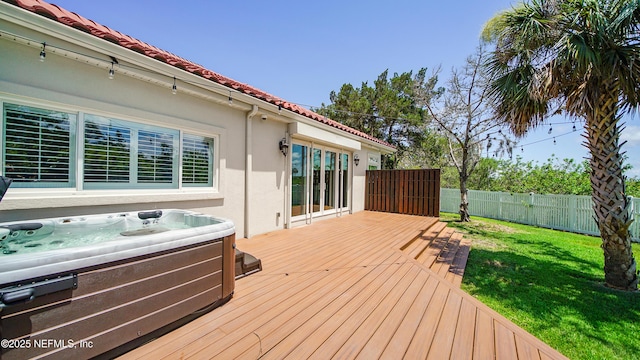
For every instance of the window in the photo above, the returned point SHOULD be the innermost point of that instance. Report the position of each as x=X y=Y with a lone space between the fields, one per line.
x=107 y=157
x=155 y=157
x=123 y=154
x=197 y=161
x=39 y=150
x=38 y=147
x=374 y=163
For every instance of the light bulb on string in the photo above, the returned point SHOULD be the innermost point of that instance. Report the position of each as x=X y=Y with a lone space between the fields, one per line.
x=574 y=126
x=554 y=141
x=550 y=129
x=43 y=53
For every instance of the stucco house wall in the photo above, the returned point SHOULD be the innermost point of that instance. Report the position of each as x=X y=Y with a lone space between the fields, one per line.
x=252 y=176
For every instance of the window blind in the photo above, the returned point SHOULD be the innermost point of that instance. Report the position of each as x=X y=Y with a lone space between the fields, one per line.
x=197 y=161
x=107 y=153
x=155 y=157
x=38 y=146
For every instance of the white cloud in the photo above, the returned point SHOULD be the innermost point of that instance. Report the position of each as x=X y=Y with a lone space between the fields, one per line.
x=634 y=173
x=631 y=135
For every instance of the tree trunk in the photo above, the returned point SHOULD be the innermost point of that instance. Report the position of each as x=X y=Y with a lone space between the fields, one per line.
x=464 y=201
x=610 y=202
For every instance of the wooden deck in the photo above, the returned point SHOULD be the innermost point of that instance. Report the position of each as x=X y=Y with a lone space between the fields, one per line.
x=369 y=285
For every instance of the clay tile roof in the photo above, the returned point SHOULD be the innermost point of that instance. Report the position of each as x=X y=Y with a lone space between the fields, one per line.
x=76 y=21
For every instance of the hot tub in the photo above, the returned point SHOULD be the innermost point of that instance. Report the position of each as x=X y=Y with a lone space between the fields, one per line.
x=78 y=287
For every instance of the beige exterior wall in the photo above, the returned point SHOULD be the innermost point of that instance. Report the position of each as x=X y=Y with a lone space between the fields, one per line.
x=82 y=86
x=63 y=84
x=268 y=178
x=359 y=176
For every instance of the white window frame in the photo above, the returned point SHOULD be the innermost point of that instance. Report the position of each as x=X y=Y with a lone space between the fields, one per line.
x=36 y=197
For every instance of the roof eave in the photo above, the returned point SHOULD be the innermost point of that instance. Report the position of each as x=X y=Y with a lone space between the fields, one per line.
x=29 y=13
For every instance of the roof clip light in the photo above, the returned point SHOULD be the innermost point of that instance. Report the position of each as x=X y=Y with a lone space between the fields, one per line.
x=174 y=88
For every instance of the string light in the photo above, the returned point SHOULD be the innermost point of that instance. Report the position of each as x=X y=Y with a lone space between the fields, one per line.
x=542 y=140
x=43 y=53
x=174 y=90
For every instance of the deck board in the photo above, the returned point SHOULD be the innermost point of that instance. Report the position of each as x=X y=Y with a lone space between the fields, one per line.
x=484 y=340
x=346 y=288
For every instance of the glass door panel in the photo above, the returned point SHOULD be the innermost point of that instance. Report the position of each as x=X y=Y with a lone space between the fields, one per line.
x=344 y=181
x=299 y=180
x=317 y=184
x=330 y=180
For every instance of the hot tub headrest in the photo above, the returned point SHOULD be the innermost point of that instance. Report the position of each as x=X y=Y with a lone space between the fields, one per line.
x=22 y=226
x=155 y=214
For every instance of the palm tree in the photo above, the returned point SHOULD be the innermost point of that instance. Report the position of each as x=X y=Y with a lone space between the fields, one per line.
x=580 y=58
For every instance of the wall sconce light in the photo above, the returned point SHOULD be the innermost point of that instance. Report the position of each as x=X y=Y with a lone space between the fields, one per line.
x=356 y=159
x=284 y=146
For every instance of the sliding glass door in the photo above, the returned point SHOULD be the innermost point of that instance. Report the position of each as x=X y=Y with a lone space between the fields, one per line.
x=299 y=180
x=330 y=181
x=320 y=181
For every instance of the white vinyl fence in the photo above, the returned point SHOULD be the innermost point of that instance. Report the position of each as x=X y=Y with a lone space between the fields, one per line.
x=571 y=213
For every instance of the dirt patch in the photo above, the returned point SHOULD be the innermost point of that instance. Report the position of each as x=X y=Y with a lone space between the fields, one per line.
x=495 y=227
x=483 y=243
x=493 y=263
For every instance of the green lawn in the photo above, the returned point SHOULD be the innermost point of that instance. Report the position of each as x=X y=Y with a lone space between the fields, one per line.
x=551 y=284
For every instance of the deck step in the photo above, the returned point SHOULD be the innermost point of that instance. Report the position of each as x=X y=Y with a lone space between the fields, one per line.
x=246 y=264
x=456 y=270
x=425 y=240
x=441 y=249
x=424 y=233
x=430 y=254
x=445 y=259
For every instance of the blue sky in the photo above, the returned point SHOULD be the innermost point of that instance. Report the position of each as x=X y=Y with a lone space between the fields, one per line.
x=301 y=50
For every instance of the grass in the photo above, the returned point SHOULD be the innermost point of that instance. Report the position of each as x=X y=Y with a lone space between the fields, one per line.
x=551 y=284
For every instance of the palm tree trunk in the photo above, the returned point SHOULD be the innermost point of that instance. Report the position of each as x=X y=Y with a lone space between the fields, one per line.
x=610 y=202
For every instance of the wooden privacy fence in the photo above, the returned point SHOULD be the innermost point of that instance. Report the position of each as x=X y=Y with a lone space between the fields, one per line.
x=411 y=192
